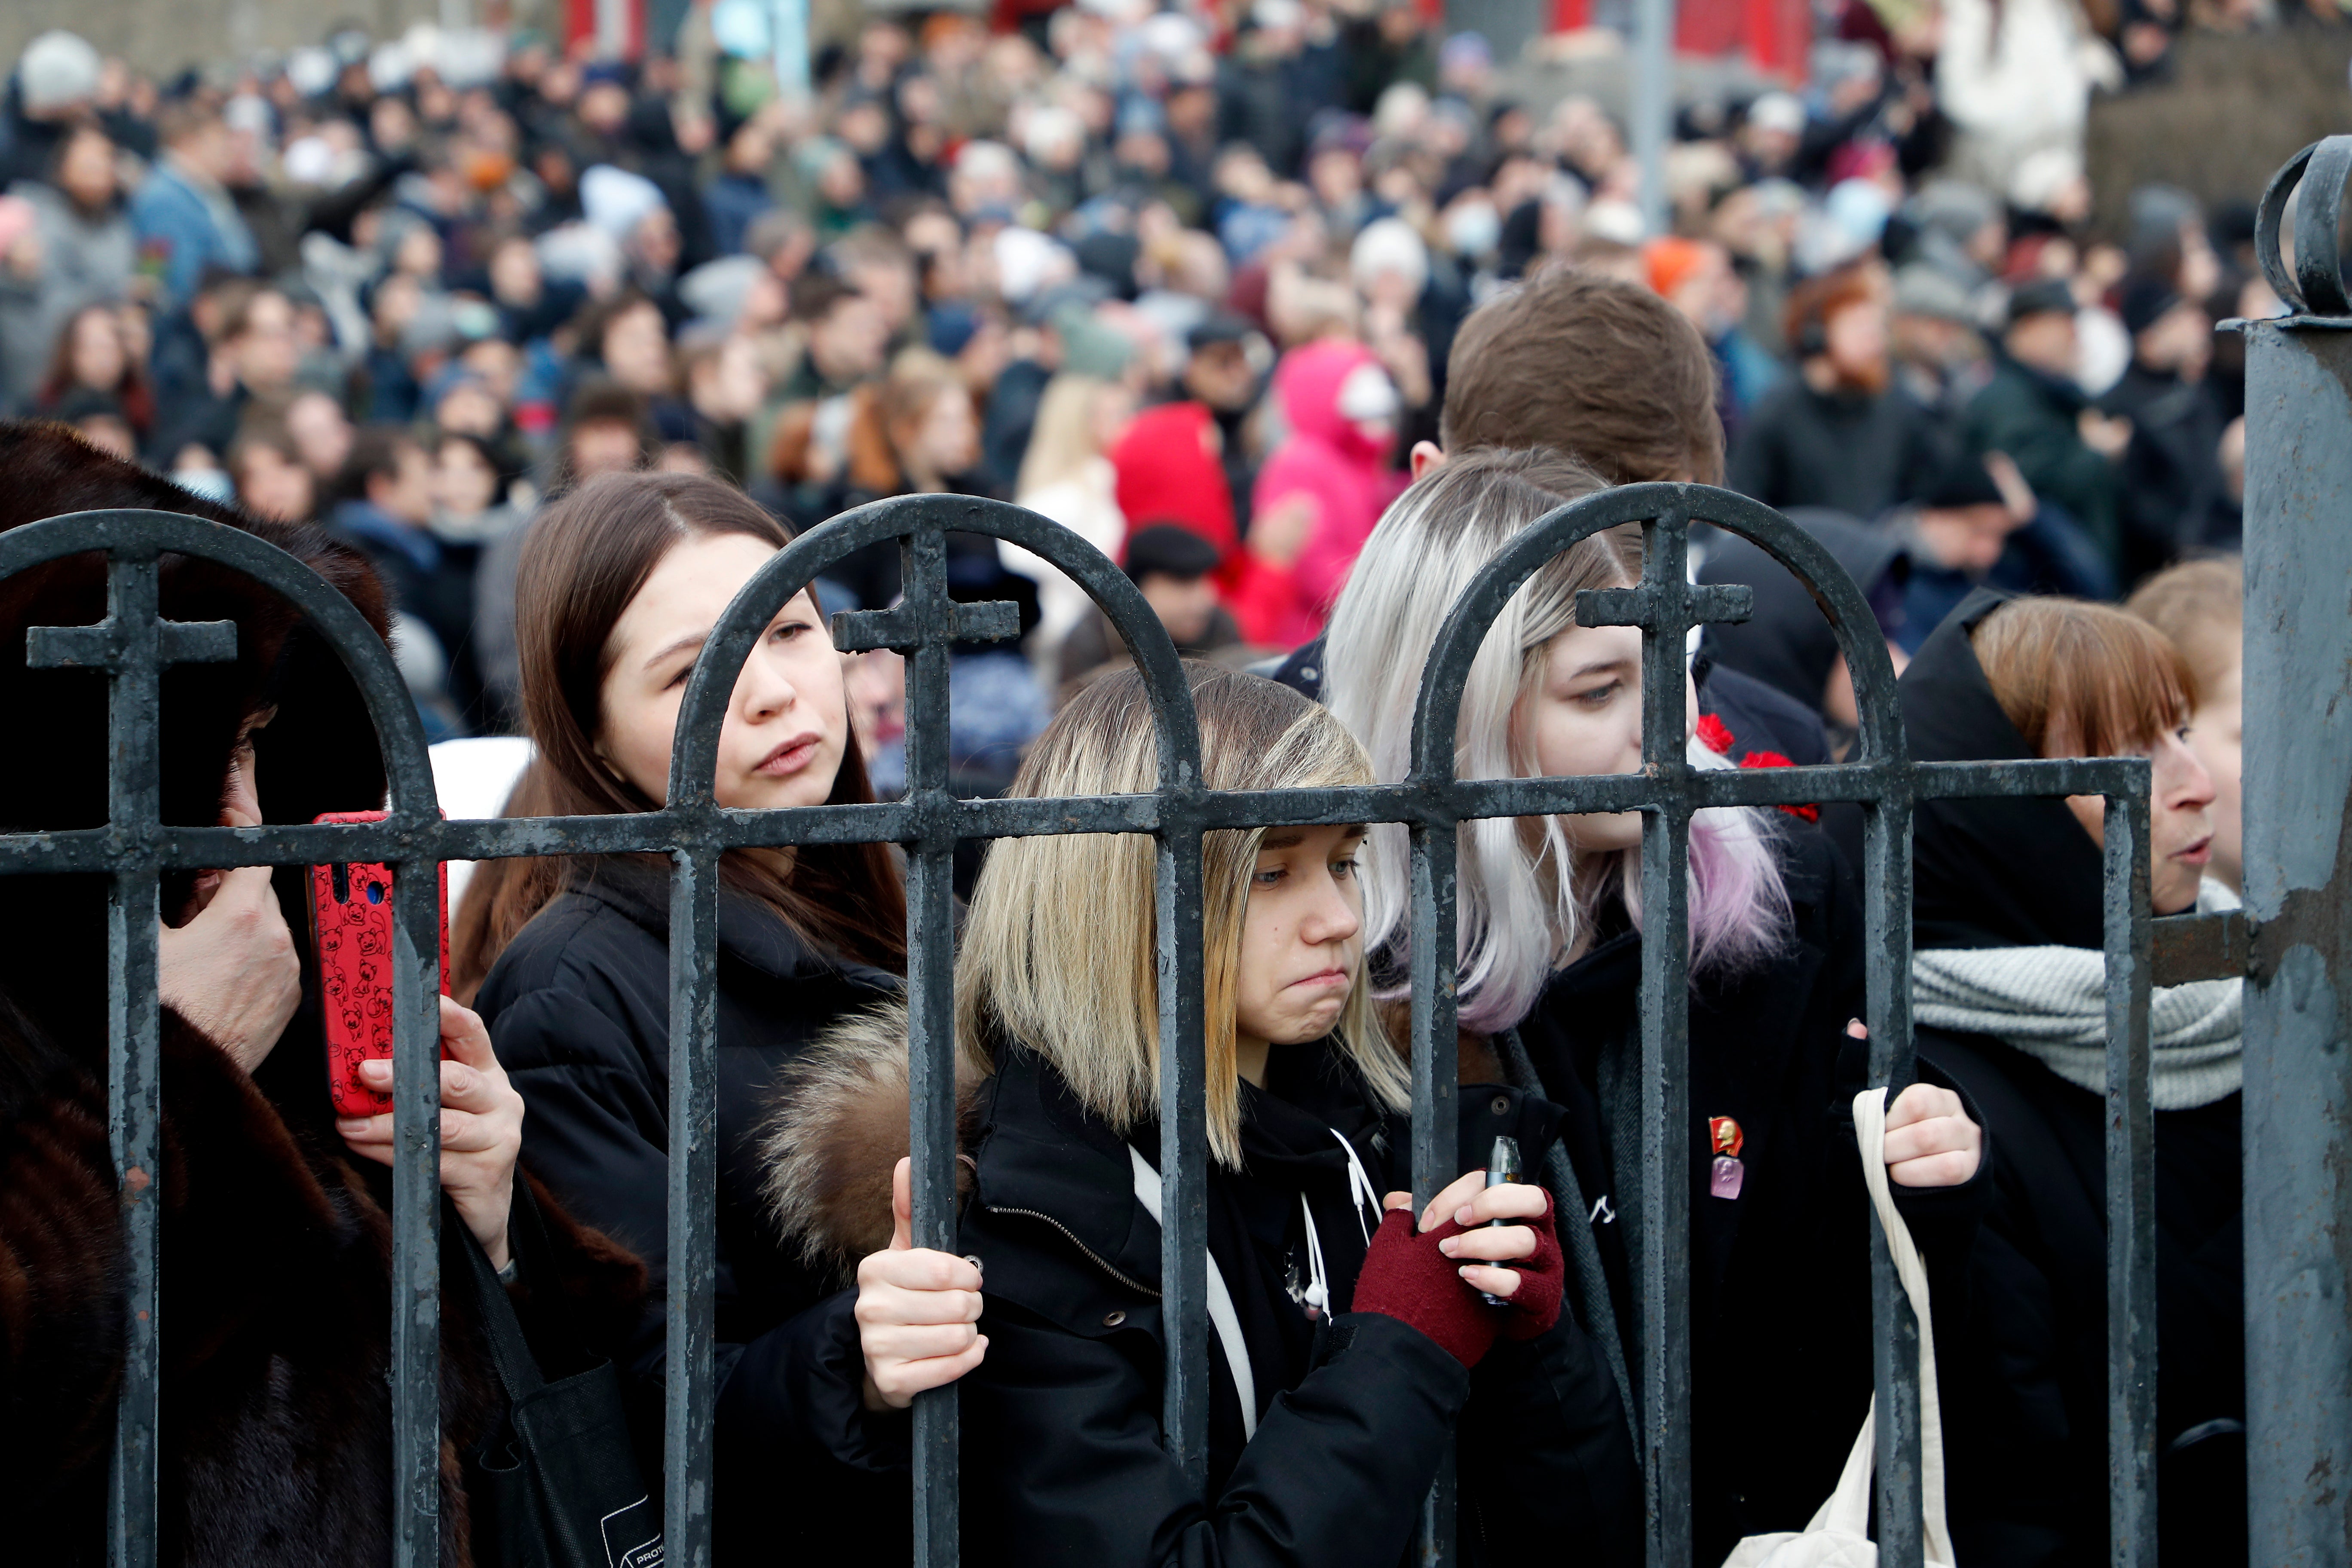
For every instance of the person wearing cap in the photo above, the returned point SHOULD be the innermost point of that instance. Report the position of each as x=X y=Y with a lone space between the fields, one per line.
x=1218 y=373
x=56 y=79
x=2174 y=496
x=1175 y=568
x=1940 y=357
x=1695 y=276
x=1954 y=534
x=2034 y=410
x=185 y=217
x=1838 y=434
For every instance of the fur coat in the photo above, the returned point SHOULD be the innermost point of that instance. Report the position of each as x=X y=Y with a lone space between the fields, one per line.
x=276 y=1241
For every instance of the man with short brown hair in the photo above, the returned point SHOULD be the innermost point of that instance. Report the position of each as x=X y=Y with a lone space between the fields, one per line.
x=1596 y=367
x=1610 y=373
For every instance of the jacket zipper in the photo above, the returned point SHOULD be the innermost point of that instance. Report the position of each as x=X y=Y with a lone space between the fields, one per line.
x=1090 y=1255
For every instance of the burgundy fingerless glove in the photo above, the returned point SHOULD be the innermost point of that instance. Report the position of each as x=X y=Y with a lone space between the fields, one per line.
x=1535 y=1305
x=1405 y=1277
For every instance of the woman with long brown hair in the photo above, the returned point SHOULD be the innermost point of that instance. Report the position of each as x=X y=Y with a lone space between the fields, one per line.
x=621 y=582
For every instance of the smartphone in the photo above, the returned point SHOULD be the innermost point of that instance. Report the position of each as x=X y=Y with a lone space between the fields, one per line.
x=351 y=928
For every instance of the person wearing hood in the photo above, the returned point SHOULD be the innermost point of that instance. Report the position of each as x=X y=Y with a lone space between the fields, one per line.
x=1326 y=485
x=1349 y=1343
x=2009 y=996
x=2034 y=410
x=1839 y=434
x=1170 y=471
x=276 y=1230
x=1786 y=642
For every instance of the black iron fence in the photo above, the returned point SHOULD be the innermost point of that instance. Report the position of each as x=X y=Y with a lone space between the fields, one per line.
x=2299 y=1417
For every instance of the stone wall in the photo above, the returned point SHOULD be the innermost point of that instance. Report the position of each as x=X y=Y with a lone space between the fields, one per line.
x=163 y=35
x=2233 y=112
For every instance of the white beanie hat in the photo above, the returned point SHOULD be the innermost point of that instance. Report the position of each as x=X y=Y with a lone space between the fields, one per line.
x=56 y=69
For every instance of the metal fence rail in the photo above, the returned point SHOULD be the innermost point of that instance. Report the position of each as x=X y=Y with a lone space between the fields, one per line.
x=134 y=848
x=694 y=831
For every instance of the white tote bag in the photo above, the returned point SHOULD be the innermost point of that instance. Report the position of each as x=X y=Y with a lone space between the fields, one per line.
x=1839 y=1536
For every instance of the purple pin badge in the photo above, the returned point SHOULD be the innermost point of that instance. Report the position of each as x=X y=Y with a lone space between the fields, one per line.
x=1727 y=1176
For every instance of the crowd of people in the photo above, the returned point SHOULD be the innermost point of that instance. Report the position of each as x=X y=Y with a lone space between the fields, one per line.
x=1136 y=268
x=1294 y=315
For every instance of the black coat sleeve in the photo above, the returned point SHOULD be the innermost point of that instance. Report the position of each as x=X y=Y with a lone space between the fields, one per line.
x=1066 y=1464
x=595 y=1131
x=1547 y=1457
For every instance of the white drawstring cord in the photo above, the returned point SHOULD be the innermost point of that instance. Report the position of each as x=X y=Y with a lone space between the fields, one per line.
x=1361 y=1194
x=1319 y=1279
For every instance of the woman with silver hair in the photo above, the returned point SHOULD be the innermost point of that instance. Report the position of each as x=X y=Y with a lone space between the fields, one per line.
x=1548 y=966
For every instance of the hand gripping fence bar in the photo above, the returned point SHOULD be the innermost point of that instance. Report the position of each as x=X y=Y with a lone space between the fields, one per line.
x=2307 y=1412
x=694 y=831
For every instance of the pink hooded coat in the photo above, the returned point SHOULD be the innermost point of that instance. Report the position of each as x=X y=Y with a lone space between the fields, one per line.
x=1328 y=460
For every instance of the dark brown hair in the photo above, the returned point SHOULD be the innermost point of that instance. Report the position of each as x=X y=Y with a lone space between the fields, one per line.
x=584 y=560
x=2081 y=679
x=138 y=402
x=1598 y=367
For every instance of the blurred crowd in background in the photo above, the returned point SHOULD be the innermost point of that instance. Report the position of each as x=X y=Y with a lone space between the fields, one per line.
x=1184 y=279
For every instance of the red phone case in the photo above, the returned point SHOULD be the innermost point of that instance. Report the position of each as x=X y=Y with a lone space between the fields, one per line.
x=350 y=921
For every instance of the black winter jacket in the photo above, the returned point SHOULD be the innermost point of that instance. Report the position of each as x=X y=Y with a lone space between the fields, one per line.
x=274 y=1446
x=1780 y=1331
x=1857 y=453
x=577 y=1006
x=1062 y=1461
x=2025 y=1408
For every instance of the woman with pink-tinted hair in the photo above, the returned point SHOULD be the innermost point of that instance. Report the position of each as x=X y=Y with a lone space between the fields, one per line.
x=1549 y=964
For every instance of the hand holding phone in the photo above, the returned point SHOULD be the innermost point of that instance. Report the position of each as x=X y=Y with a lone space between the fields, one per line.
x=481 y=1127
x=351 y=913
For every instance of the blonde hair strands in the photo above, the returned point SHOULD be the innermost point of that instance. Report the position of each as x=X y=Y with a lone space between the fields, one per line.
x=1060 y=948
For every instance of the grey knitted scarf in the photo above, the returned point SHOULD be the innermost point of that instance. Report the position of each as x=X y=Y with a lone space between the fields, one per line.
x=2051 y=1004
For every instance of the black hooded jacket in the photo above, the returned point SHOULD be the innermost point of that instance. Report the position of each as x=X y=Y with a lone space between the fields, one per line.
x=2025 y=1411
x=1780 y=1279
x=1063 y=1461
x=1787 y=642
x=276 y=1241
x=577 y=1006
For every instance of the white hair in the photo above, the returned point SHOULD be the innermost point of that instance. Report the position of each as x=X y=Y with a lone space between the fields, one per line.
x=1519 y=906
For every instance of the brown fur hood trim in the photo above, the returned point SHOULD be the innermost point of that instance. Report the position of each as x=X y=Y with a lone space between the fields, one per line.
x=837 y=1130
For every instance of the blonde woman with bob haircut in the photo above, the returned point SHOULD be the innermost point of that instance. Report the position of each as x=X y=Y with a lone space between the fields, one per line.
x=1548 y=959
x=1348 y=1341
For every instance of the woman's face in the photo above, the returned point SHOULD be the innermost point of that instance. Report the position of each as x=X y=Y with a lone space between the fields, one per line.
x=1302 y=943
x=98 y=359
x=1582 y=718
x=1110 y=416
x=2180 y=821
x=636 y=350
x=784 y=737
x=85 y=169
x=2217 y=734
x=947 y=439
x=463 y=480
